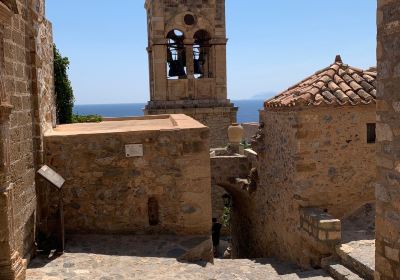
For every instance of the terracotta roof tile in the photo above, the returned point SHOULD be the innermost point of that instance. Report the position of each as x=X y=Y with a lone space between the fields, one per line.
x=338 y=84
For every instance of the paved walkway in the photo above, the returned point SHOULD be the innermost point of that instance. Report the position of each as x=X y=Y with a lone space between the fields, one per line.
x=122 y=257
x=358 y=240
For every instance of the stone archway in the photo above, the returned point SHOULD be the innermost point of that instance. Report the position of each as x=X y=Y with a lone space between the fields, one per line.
x=226 y=169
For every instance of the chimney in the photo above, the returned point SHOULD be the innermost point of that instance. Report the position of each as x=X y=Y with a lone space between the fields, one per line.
x=338 y=59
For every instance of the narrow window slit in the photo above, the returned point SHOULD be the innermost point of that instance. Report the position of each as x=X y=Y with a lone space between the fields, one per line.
x=371 y=133
x=153 y=211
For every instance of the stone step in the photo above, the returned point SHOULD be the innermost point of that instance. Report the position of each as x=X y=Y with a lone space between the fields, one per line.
x=340 y=272
x=357 y=260
x=198 y=249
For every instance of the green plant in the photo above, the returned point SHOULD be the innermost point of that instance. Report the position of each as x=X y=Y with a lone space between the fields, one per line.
x=63 y=88
x=245 y=144
x=86 y=119
x=226 y=217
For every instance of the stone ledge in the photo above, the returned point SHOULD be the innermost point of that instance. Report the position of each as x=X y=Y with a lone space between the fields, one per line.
x=219 y=111
x=320 y=225
x=201 y=250
x=160 y=123
x=358 y=256
x=339 y=271
x=183 y=104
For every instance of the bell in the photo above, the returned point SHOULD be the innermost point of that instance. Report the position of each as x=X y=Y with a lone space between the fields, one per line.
x=203 y=54
x=176 y=69
x=181 y=70
x=182 y=56
x=169 y=56
x=198 y=67
x=173 y=69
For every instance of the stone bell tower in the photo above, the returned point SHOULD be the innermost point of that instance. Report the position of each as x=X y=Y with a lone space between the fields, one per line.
x=187 y=63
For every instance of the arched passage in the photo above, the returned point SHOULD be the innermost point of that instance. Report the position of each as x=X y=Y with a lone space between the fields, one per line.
x=226 y=172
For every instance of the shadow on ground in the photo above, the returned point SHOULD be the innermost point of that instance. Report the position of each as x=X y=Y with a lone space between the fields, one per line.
x=152 y=257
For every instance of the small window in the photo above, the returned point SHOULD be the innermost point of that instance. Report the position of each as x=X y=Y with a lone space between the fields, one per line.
x=371 y=133
x=153 y=212
x=189 y=19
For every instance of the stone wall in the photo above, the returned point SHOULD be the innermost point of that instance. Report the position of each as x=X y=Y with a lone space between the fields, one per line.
x=313 y=157
x=218 y=119
x=43 y=84
x=107 y=192
x=335 y=166
x=271 y=232
x=388 y=156
x=20 y=129
x=250 y=129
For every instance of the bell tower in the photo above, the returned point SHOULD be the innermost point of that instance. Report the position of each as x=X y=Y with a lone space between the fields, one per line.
x=187 y=63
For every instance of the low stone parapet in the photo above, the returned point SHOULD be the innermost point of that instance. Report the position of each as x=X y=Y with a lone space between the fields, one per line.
x=319 y=233
x=320 y=225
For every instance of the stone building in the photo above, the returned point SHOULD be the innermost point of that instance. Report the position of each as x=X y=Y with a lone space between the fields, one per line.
x=26 y=111
x=388 y=150
x=144 y=175
x=314 y=146
x=316 y=158
x=187 y=63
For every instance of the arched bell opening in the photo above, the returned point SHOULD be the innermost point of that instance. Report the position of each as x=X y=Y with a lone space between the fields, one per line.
x=202 y=55
x=176 y=55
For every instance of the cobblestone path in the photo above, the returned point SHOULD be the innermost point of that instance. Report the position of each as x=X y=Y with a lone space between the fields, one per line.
x=114 y=258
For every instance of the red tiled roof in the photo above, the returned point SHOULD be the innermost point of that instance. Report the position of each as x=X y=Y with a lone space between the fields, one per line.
x=338 y=84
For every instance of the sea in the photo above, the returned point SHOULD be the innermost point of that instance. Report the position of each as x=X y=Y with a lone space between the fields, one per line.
x=248 y=110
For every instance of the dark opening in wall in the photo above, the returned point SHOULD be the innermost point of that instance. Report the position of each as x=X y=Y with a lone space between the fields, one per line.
x=154 y=218
x=202 y=55
x=189 y=19
x=371 y=133
x=176 y=55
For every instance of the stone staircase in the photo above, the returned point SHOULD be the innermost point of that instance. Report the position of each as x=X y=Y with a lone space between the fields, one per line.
x=354 y=261
x=340 y=272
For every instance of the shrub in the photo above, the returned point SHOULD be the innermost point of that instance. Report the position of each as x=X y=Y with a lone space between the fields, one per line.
x=63 y=88
x=86 y=119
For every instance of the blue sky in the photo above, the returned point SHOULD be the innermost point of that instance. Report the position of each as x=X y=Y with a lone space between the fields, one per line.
x=272 y=44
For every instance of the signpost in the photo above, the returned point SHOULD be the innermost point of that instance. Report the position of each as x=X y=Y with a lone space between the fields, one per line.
x=57 y=181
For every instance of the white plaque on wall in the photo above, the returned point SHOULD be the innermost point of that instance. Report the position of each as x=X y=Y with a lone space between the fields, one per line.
x=134 y=150
x=51 y=176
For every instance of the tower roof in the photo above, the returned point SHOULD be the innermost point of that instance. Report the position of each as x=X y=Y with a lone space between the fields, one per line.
x=337 y=84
